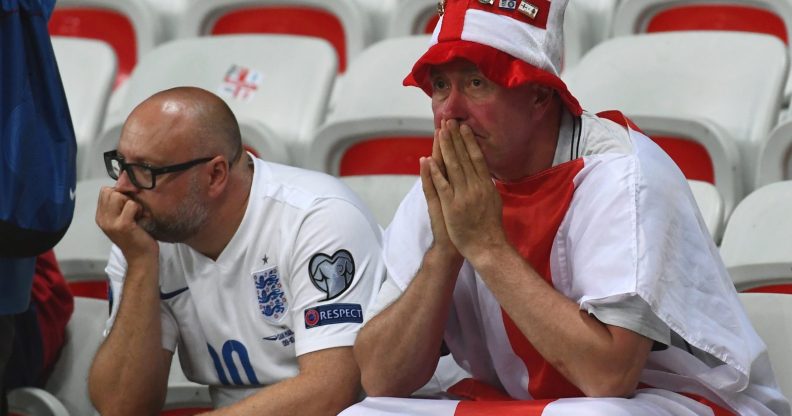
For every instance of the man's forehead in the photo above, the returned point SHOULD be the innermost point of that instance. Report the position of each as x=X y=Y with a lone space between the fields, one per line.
x=147 y=141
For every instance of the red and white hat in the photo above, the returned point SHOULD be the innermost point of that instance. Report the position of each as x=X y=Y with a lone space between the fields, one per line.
x=512 y=42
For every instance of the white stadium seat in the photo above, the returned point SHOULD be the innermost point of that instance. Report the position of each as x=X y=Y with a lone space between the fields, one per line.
x=32 y=401
x=390 y=123
x=755 y=245
x=586 y=23
x=381 y=193
x=732 y=79
x=343 y=23
x=775 y=156
x=771 y=316
x=280 y=82
x=69 y=379
x=711 y=205
x=131 y=27
x=87 y=87
x=83 y=252
x=771 y=17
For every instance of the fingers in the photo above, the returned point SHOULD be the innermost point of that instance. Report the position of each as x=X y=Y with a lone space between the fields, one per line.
x=455 y=172
x=433 y=202
x=437 y=155
x=460 y=147
x=426 y=183
x=115 y=210
x=474 y=151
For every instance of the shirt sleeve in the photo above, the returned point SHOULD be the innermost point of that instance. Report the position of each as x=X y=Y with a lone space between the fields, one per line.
x=633 y=313
x=388 y=294
x=336 y=271
x=116 y=272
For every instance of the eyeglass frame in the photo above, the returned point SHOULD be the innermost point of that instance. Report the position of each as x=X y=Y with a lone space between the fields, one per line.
x=112 y=155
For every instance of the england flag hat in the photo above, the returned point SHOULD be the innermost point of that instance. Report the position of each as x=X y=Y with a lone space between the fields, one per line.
x=512 y=42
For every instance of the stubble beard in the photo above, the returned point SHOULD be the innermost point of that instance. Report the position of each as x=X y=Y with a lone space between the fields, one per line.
x=185 y=222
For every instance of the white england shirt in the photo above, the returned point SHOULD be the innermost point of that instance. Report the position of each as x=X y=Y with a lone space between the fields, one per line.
x=296 y=277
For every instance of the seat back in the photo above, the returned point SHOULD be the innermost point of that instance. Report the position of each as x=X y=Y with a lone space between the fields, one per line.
x=377 y=125
x=130 y=27
x=681 y=75
x=83 y=252
x=281 y=82
x=759 y=16
x=381 y=193
x=755 y=245
x=710 y=203
x=775 y=156
x=771 y=316
x=342 y=23
x=412 y=17
x=69 y=379
x=87 y=87
x=33 y=401
x=701 y=149
x=586 y=24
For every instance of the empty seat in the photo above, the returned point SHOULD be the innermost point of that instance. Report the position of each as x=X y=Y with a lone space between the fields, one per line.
x=276 y=85
x=734 y=80
x=377 y=126
x=87 y=87
x=710 y=203
x=342 y=23
x=31 y=401
x=755 y=245
x=130 y=27
x=770 y=17
x=411 y=17
x=586 y=23
x=69 y=379
x=381 y=193
x=702 y=150
x=771 y=316
x=775 y=156
x=83 y=252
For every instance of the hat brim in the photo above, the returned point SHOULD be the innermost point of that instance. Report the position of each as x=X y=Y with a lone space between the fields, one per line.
x=498 y=66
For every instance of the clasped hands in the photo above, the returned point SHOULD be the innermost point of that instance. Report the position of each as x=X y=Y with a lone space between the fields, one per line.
x=464 y=205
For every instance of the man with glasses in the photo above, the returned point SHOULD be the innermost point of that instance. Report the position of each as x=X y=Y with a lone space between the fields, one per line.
x=258 y=273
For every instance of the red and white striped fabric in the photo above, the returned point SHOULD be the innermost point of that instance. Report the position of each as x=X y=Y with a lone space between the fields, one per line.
x=601 y=228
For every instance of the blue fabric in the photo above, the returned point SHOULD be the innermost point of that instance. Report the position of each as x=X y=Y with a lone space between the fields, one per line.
x=37 y=144
x=16 y=282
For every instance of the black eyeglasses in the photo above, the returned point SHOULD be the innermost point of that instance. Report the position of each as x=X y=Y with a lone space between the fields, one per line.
x=143 y=176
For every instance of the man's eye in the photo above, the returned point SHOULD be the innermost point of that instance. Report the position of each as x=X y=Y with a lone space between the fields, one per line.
x=476 y=82
x=438 y=84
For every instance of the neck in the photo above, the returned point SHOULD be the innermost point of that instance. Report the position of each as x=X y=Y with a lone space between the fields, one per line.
x=224 y=221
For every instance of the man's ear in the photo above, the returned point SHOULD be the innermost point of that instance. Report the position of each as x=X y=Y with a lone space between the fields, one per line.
x=218 y=175
x=543 y=98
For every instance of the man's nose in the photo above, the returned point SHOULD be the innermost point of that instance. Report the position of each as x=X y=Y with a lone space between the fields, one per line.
x=124 y=183
x=453 y=107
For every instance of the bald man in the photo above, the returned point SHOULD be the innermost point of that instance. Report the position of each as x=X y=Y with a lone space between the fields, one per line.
x=258 y=273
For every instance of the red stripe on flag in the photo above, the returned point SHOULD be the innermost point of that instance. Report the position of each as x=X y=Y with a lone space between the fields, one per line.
x=512 y=408
x=532 y=212
x=453 y=20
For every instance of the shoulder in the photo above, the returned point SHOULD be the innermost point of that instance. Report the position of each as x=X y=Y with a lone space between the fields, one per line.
x=301 y=188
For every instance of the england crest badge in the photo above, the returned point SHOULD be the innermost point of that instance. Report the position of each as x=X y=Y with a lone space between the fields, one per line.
x=272 y=300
